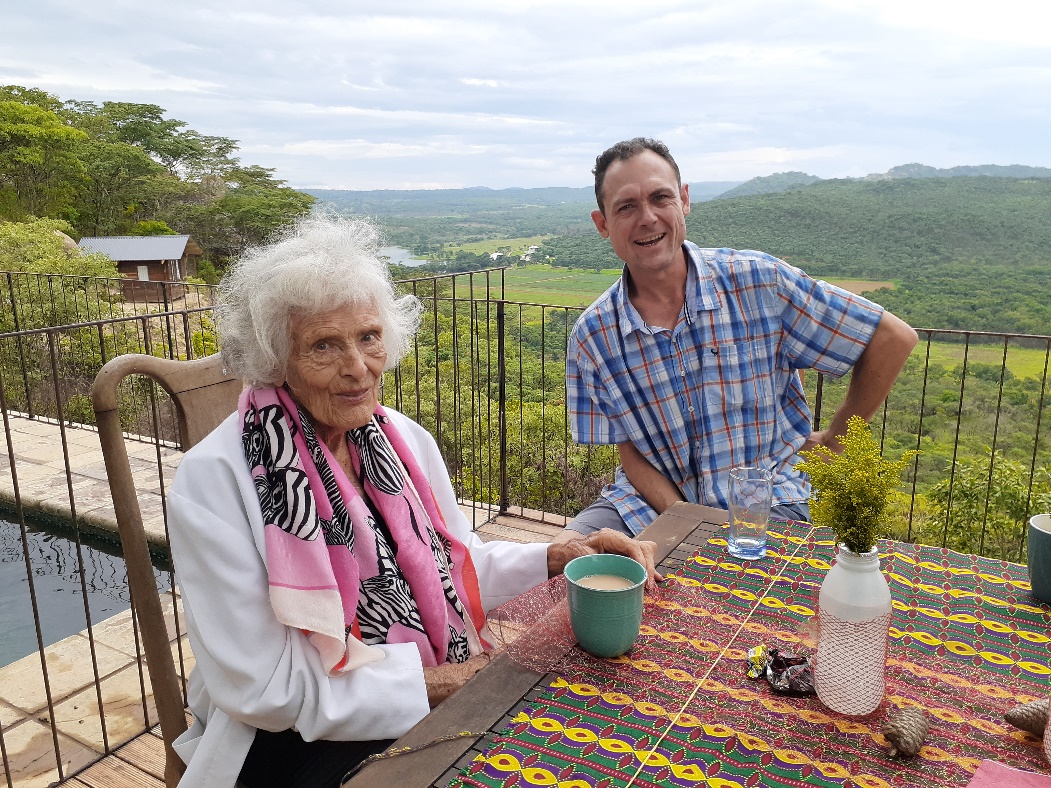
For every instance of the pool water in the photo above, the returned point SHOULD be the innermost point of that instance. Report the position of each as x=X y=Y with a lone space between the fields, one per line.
x=57 y=583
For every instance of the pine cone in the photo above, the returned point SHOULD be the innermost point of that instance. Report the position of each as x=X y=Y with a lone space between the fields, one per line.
x=1030 y=717
x=905 y=729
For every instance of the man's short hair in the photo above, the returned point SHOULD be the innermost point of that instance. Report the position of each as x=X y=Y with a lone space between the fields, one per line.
x=629 y=149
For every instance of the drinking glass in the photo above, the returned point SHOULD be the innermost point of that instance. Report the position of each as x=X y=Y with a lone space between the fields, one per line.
x=751 y=494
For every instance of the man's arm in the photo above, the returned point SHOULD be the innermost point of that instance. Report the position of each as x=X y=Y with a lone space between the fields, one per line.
x=651 y=484
x=874 y=374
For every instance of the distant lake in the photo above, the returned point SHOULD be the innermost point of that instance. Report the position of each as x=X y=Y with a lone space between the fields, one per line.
x=399 y=256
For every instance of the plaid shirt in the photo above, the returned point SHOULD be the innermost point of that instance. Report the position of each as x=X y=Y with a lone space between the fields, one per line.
x=721 y=388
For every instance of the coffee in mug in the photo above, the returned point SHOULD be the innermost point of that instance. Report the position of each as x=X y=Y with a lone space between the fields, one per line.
x=605 y=602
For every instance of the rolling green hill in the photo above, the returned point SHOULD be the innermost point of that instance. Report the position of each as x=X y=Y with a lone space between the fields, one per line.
x=783 y=181
x=966 y=252
x=915 y=170
x=888 y=228
x=966 y=248
x=769 y=184
x=423 y=220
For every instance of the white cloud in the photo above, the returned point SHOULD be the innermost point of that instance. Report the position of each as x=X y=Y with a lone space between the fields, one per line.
x=365 y=149
x=470 y=92
x=486 y=83
x=1018 y=23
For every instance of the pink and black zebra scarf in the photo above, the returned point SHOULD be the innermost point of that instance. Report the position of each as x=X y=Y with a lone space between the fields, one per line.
x=330 y=554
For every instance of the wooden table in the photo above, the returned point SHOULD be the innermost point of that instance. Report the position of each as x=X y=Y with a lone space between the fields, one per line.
x=495 y=694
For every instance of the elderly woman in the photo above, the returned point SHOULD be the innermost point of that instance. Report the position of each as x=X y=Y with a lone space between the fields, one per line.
x=334 y=591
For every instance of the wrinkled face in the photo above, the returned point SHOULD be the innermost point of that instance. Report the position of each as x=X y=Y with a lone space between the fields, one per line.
x=336 y=365
x=645 y=212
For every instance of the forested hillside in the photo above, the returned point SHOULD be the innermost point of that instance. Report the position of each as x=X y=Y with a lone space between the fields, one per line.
x=424 y=220
x=966 y=252
x=770 y=184
x=916 y=170
x=880 y=229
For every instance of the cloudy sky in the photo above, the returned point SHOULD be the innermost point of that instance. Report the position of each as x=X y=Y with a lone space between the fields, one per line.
x=452 y=93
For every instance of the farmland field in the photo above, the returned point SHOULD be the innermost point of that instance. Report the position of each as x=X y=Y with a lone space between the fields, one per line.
x=518 y=246
x=543 y=284
x=1022 y=362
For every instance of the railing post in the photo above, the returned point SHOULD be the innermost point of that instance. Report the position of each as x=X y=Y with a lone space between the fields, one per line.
x=818 y=396
x=168 y=321
x=21 y=352
x=501 y=410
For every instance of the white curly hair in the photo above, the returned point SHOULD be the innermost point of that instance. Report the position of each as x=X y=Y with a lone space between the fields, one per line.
x=319 y=264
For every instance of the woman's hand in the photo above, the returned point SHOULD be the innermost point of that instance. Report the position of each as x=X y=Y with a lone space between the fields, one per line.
x=605 y=541
x=445 y=680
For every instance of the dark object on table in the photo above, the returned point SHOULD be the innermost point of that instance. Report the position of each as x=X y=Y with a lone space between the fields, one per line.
x=757 y=659
x=789 y=674
x=1031 y=717
x=905 y=729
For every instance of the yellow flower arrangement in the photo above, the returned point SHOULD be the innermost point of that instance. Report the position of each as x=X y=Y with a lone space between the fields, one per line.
x=851 y=489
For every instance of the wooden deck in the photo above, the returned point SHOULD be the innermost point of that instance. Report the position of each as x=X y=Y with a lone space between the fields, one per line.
x=139 y=763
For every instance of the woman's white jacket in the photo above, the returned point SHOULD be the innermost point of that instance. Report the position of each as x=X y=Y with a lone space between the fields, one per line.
x=254 y=672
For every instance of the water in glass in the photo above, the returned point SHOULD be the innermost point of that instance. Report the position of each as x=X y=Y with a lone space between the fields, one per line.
x=751 y=494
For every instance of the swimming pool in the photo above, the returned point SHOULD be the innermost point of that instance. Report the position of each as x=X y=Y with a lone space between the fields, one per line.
x=57 y=582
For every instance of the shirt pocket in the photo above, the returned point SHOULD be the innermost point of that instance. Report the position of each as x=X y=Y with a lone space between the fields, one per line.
x=737 y=377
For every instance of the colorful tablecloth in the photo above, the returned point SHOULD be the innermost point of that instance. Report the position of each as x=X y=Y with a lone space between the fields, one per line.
x=967 y=643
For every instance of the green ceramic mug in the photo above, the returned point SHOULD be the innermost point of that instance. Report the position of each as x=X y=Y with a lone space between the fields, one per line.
x=605 y=620
x=1040 y=556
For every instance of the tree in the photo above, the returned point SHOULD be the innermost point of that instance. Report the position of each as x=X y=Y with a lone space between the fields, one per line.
x=29 y=251
x=152 y=227
x=115 y=174
x=183 y=152
x=245 y=207
x=39 y=168
x=988 y=510
x=30 y=96
x=41 y=246
x=109 y=168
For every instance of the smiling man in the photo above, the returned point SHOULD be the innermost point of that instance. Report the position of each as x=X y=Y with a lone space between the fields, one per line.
x=689 y=362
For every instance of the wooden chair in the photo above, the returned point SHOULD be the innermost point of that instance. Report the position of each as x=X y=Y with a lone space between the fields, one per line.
x=204 y=394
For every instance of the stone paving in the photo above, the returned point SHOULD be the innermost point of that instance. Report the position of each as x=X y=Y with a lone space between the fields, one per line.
x=81 y=731
x=44 y=450
x=74 y=682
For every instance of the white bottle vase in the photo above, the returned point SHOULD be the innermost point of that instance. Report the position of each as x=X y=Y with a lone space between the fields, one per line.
x=854 y=615
x=1047 y=738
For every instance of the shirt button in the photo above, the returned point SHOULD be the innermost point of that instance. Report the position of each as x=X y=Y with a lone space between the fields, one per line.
x=691 y=408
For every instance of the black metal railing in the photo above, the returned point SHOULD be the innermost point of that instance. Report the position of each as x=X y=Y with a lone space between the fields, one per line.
x=32 y=300
x=486 y=376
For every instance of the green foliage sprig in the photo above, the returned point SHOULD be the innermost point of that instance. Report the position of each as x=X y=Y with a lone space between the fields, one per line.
x=852 y=488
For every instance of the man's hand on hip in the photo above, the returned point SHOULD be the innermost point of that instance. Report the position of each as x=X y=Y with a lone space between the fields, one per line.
x=823 y=438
